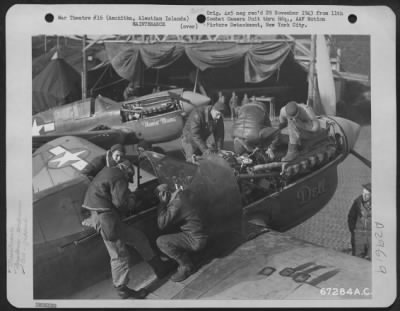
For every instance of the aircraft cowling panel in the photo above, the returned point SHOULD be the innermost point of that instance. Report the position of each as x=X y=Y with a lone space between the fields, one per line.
x=157 y=129
x=217 y=194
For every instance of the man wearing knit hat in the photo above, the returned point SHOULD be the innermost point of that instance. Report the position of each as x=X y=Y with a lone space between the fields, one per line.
x=108 y=198
x=359 y=221
x=111 y=158
x=176 y=214
x=302 y=125
x=201 y=123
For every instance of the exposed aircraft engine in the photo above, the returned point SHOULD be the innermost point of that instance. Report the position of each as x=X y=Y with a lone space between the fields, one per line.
x=135 y=111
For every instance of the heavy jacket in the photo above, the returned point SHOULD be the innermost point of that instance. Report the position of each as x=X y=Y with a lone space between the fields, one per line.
x=305 y=121
x=359 y=217
x=200 y=126
x=108 y=191
x=179 y=213
x=252 y=118
x=97 y=164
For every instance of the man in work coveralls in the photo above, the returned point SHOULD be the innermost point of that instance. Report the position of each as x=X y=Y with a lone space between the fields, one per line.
x=177 y=214
x=201 y=123
x=359 y=221
x=107 y=198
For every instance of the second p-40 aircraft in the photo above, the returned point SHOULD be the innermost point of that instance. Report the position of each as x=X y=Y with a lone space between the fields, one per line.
x=153 y=118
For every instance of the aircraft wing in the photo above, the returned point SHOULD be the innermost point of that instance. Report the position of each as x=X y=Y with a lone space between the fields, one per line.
x=60 y=161
x=103 y=138
x=272 y=266
x=275 y=266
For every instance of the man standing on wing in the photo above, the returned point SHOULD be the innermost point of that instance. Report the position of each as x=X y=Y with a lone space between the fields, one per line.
x=108 y=198
x=176 y=213
x=201 y=123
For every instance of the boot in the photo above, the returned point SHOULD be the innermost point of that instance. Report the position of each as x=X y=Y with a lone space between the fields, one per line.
x=185 y=269
x=125 y=292
x=161 y=268
x=291 y=153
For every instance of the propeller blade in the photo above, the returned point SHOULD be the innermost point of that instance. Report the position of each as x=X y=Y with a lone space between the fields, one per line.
x=361 y=158
x=326 y=84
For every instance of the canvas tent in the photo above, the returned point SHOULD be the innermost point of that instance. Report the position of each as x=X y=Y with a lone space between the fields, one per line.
x=258 y=68
x=57 y=84
x=260 y=60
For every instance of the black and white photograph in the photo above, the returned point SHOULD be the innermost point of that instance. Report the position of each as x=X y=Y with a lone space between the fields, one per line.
x=197 y=167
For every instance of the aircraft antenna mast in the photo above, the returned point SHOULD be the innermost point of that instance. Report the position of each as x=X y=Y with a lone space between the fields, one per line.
x=311 y=74
x=84 y=69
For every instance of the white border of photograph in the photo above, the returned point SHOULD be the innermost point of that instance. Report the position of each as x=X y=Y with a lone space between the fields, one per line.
x=25 y=21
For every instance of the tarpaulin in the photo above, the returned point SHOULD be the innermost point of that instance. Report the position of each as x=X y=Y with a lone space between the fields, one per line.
x=125 y=61
x=161 y=56
x=261 y=60
x=215 y=55
x=56 y=85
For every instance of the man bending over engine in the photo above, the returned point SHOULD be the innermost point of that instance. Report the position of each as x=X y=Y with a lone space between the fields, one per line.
x=203 y=122
x=302 y=125
x=252 y=128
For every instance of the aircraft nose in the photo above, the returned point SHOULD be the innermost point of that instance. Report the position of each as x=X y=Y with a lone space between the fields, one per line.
x=196 y=99
x=350 y=129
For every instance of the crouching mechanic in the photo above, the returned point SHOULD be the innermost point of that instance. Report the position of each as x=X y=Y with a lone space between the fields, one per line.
x=175 y=212
x=252 y=128
x=107 y=198
x=201 y=123
x=302 y=125
x=113 y=156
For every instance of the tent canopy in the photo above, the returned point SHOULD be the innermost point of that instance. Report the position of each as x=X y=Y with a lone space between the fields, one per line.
x=56 y=85
x=260 y=60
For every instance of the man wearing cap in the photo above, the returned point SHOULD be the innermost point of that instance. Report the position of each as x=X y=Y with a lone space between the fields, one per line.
x=108 y=198
x=177 y=214
x=251 y=128
x=302 y=125
x=201 y=123
x=111 y=158
x=359 y=221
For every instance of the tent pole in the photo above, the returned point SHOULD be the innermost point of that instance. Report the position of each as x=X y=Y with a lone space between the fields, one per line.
x=84 y=70
x=195 y=80
x=45 y=43
x=311 y=73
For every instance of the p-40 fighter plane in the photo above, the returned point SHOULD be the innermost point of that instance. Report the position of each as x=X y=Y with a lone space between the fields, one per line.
x=153 y=118
x=244 y=258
